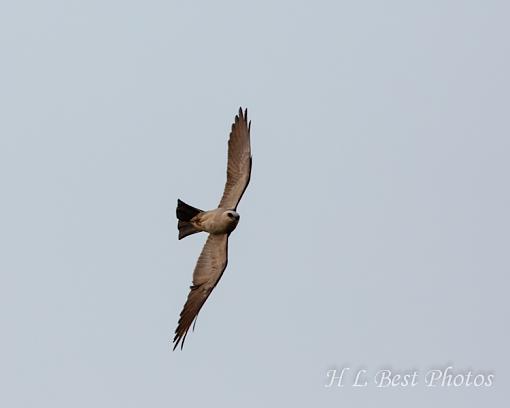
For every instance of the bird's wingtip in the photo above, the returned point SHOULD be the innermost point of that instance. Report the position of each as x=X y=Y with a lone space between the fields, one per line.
x=242 y=115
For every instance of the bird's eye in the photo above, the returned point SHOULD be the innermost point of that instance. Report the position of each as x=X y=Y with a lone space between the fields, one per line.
x=230 y=215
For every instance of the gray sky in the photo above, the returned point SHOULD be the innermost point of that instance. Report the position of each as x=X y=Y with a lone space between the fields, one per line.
x=374 y=234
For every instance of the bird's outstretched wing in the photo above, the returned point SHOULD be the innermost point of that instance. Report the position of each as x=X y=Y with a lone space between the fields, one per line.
x=239 y=162
x=208 y=270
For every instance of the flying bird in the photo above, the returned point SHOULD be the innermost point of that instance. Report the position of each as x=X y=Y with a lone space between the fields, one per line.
x=219 y=223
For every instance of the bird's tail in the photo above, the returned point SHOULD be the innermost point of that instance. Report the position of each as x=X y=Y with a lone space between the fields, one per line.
x=185 y=214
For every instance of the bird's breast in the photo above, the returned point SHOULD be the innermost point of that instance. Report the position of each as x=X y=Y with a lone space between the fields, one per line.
x=215 y=222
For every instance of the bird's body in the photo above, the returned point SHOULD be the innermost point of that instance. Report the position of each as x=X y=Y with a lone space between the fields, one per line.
x=219 y=223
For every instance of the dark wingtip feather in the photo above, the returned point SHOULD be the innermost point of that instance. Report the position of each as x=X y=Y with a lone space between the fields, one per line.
x=241 y=117
x=179 y=338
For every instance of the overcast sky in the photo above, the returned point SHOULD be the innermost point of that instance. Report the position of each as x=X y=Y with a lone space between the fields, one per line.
x=374 y=234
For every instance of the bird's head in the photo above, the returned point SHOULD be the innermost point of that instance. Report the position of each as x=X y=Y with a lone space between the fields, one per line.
x=232 y=217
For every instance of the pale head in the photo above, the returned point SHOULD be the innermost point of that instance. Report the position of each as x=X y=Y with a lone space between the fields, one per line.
x=232 y=218
x=231 y=214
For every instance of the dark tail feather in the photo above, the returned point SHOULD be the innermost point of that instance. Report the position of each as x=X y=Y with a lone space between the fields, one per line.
x=186 y=228
x=185 y=213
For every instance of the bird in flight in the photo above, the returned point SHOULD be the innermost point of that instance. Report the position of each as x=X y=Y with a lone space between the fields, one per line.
x=219 y=223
